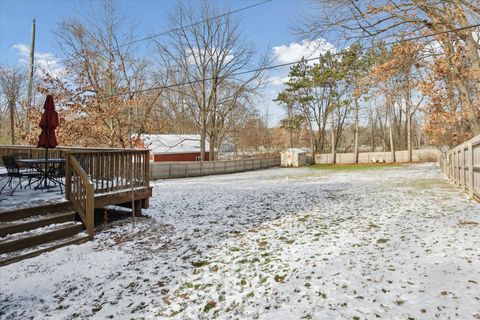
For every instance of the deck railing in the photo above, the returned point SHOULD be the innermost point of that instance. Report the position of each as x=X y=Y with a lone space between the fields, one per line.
x=102 y=171
x=93 y=171
x=462 y=165
x=81 y=193
x=113 y=170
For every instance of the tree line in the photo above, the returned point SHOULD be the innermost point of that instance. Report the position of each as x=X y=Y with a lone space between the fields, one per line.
x=381 y=91
x=412 y=71
x=110 y=91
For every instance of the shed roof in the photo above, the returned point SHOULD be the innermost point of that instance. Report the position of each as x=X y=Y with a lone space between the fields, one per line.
x=173 y=143
x=294 y=150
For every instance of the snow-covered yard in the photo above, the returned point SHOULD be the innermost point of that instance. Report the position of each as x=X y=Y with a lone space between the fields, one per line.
x=394 y=243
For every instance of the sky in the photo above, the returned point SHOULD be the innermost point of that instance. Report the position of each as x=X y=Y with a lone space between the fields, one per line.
x=266 y=26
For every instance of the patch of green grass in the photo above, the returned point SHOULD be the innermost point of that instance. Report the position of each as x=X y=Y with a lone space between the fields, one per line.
x=199 y=264
x=210 y=305
x=372 y=225
x=354 y=167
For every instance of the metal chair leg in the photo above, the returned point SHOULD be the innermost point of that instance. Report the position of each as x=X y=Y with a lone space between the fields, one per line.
x=9 y=182
x=18 y=184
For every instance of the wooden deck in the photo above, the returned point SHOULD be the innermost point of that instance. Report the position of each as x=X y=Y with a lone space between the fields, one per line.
x=94 y=178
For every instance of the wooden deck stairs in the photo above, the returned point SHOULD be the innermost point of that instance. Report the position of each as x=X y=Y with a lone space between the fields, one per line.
x=94 y=178
x=29 y=232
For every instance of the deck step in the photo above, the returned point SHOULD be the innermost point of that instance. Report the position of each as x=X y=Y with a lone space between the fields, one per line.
x=10 y=257
x=33 y=222
x=23 y=213
x=22 y=240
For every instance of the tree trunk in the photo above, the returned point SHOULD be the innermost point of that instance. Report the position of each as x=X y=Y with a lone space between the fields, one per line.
x=11 y=104
x=313 y=145
x=213 y=142
x=356 y=131
x=334 y=147
x=203 y=136
x=390 y=128
x=392 y=145
x=408 y=111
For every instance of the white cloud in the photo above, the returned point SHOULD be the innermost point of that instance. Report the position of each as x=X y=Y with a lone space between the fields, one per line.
x=43 y=61
x=295 y=51
x=276 y=80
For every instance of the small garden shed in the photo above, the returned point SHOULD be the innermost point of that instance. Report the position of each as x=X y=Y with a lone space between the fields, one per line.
x=293 y=157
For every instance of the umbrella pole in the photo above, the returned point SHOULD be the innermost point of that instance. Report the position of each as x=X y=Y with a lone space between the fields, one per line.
x=46 y=167
x=46 y=152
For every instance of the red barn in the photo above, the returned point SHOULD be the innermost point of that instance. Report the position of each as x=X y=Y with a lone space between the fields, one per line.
x=173 y=147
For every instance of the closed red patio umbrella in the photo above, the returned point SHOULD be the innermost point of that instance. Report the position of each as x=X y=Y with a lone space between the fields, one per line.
x=48 y=123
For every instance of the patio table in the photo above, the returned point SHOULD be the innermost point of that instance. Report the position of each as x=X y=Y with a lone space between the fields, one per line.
x=45 y=167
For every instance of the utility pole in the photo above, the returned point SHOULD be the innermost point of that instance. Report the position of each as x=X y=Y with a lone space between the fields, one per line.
x=30 y=73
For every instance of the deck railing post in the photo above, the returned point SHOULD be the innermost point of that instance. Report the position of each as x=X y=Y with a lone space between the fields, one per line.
x=90 y=210
x=68 y=177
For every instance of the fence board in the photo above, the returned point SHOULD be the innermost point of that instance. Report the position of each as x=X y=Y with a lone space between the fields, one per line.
x=168 y=170
x=461 y=165
x=367 y=157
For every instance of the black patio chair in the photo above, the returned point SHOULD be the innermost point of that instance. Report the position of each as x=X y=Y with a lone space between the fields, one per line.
x=57 y=173
x=14 y=172
x=23 y=166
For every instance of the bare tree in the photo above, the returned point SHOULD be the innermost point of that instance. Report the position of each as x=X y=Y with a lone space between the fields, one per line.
x=106 y=79
x=11 y=82
x=203 y=60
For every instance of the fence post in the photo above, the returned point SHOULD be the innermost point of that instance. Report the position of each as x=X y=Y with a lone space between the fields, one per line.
x=451 y=162
x=455 y=165
x=461 y=165
x=459 y=179
x=470 y=170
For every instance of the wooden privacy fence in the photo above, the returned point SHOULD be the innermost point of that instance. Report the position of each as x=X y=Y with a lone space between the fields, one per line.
x=462 y=165
x=168 y=170
x=421 y=155
x=114 y=174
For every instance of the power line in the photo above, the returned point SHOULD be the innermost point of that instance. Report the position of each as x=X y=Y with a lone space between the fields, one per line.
x=292 y=63
x=195 y=23
x=156 y=35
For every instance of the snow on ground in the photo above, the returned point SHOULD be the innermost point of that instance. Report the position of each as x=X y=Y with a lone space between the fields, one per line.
x=25 y=195
x=394 y=243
